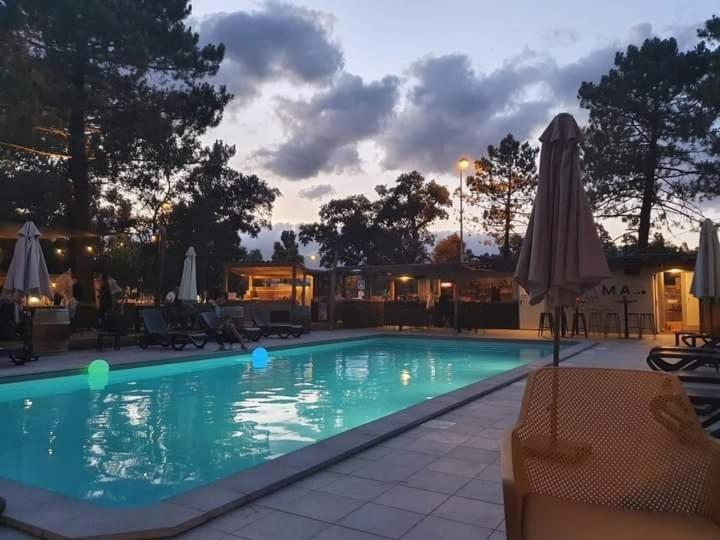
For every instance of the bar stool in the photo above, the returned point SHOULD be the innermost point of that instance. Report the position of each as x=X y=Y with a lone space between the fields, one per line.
x=546 y=318
x=634 y=322
x=579 y=318
x=649 y=319
x=596 y=322
x=612 y=320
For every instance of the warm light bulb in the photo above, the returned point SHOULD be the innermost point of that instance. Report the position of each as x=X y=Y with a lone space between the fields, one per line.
x=463 y=164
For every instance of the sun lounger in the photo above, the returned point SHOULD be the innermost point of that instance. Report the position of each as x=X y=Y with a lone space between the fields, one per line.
x=212 y=324
x=609 y=454
x=283 y=330
x=682 y=358
x=156 y=332
x=703 y=389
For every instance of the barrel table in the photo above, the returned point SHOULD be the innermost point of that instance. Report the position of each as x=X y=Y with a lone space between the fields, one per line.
x=51 y=330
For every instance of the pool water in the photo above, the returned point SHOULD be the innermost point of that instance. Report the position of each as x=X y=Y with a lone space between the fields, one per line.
x=157 y=431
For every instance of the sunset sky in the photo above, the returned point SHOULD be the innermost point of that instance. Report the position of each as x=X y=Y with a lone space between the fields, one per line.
x=334 y=97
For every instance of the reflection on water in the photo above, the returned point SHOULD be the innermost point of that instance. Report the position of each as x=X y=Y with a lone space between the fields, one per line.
x=144 y=438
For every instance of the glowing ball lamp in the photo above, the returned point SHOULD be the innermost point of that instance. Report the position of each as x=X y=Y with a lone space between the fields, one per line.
x=98 y=374
x=259 y=358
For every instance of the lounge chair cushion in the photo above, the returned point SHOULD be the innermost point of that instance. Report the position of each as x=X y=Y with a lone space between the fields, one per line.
x=550 y=518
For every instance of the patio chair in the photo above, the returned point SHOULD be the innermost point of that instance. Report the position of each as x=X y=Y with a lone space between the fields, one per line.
x=609 y=454
x=283 y=330
x=116 y=327
x=16 y=339
x=156 y=332
x=683 y=358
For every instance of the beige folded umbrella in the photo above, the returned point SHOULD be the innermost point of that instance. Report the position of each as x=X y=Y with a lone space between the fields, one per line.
x=561 y=255
x=706 y=278
x=28 y=273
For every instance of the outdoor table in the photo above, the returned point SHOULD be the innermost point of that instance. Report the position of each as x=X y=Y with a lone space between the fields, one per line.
x=625 y=303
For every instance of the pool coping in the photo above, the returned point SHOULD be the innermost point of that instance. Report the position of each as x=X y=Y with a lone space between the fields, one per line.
x=55 y=516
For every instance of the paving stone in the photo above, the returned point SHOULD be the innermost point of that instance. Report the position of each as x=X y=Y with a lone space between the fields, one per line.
x=382 y=520
x=6 y=533
x=281 y=526
x=434 y=528
x=483 y=490
x=408 y=458
x=446 y=437
x=491 y=473
x=433 y=448
x=498 y=535
x=470 y=511
x=319 y=479
x=458 y=467
x=199 y=533
x=483 y=443
x=336 y=532
x=476 y=455
x=328 y=507
x=232 y=521
x=349 y=465
x=413 y=499
x=389 y=472
x=362 y=489
x=437 y=481
x=281 y=498
x=375 y=453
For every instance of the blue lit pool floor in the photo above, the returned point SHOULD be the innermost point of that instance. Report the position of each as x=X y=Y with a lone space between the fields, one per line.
x=157 y=431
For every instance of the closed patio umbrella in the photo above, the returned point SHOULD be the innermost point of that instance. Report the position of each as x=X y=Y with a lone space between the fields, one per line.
x=28 y=273
x=561 y=255
x=706 y=278
x=188 y=282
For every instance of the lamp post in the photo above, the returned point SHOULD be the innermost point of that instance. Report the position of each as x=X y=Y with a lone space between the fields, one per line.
x=463 y=163
x=165 y=209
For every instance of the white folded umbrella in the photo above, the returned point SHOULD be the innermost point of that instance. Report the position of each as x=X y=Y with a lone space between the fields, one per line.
x=188 y=282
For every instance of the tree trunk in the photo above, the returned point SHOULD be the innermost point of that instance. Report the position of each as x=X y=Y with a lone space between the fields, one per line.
x=508 y=209
x=79 y=211
x=648 y=197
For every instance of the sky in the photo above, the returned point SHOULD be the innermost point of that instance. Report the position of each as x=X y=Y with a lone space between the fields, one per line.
x=335 y=97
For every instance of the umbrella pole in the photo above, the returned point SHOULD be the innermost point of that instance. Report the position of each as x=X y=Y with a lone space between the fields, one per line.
x=557 y=323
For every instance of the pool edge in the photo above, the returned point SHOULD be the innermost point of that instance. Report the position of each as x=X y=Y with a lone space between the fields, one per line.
x=55 y=516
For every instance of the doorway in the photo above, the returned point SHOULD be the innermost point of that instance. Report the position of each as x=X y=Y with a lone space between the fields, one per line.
x=677 y=309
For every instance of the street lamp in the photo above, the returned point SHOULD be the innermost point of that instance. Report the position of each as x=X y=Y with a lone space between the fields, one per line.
x=462 y=164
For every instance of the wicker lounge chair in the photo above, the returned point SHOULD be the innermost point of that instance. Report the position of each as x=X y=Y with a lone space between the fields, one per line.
x=283 y=330
x=609 y=454
x=156 y=332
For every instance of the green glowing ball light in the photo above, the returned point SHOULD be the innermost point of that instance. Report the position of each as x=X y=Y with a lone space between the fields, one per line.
x=98 y=374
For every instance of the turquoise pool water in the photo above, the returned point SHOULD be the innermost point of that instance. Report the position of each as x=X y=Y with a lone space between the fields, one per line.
x=154 y=432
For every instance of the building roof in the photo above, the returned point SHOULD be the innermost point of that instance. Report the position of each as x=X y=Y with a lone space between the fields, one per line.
x=447 y=270
x=269 y=269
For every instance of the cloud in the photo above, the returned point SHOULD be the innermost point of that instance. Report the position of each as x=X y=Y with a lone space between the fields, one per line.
x=324 y=131
x=316 y=192
x=451 y=109
x=561 y=36
x=278 y=42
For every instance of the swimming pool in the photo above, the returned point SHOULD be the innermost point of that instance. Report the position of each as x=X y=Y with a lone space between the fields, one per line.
x=154 y=432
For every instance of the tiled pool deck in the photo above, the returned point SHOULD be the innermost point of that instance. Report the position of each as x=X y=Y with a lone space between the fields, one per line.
x=437 y=480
